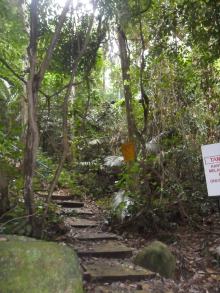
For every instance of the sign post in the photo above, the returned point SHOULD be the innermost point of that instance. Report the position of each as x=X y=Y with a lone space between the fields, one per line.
x=211 y=162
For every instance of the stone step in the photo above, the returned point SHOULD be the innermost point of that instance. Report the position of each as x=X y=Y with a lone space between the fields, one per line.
x=96 y=236
x=55 y=196
x=80 y=223
x=70 y=204
x=62 y=197
x=110 y=249
x=109 y=272
x=77 y=211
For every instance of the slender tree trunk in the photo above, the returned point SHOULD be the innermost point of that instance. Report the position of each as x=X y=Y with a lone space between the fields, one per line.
x=32 y=129
x=4 y=198
x=30 y=154
x=125 y=67
x=132 y=129
x=32 y=87
x=23 y=14
x=65 y=147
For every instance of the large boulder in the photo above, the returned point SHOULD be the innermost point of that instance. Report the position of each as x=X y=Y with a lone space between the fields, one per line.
x=29 y=265
x=158 y=258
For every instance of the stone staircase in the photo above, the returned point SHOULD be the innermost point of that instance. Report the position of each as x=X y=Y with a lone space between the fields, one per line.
x=103 y=257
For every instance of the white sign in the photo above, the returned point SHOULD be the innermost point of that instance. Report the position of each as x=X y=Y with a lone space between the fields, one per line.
x=211 y=162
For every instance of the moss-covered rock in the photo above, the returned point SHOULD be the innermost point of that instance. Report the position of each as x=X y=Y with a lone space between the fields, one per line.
x=29 y=265
x=158 y=258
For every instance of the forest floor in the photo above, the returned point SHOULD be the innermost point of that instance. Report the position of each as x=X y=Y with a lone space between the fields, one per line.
x=197 y=269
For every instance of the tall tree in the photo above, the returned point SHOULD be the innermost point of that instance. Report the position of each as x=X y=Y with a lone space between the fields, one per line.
x=33 y=84
x=125 y=68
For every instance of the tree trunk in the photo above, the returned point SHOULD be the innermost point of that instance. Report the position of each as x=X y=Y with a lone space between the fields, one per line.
x=132 y=129
x=125 y=67
x=31 y=147
x=32 y=86
x=4 y=199
x=31 y=144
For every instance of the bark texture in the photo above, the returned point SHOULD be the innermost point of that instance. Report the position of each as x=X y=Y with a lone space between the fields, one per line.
x=4 y=198
x=125 y=67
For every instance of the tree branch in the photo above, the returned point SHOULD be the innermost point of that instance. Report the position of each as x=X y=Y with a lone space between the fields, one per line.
x=144 y=10
x=25 y=82
x=63 y=88
x=12 y=70
x=53 y=43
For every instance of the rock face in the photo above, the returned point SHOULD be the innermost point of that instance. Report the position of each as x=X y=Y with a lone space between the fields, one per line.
x=29 y=265
x=158 y=258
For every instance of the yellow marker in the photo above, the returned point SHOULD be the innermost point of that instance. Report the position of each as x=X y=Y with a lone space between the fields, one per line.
x=128 y=151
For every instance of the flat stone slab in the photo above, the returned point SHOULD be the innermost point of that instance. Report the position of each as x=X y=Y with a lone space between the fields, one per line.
x=110 y=249
x=55 y=195
x=77 y=211
x=80 y=223
x=96 y=236
x=70 y=204
x=62 y=197
x=107 y=272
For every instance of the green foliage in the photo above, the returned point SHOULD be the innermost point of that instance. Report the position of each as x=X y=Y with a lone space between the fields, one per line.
x=15 y=220
x=128 y=178
x=179 y=42
x=44 y=174
x=105 y=203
